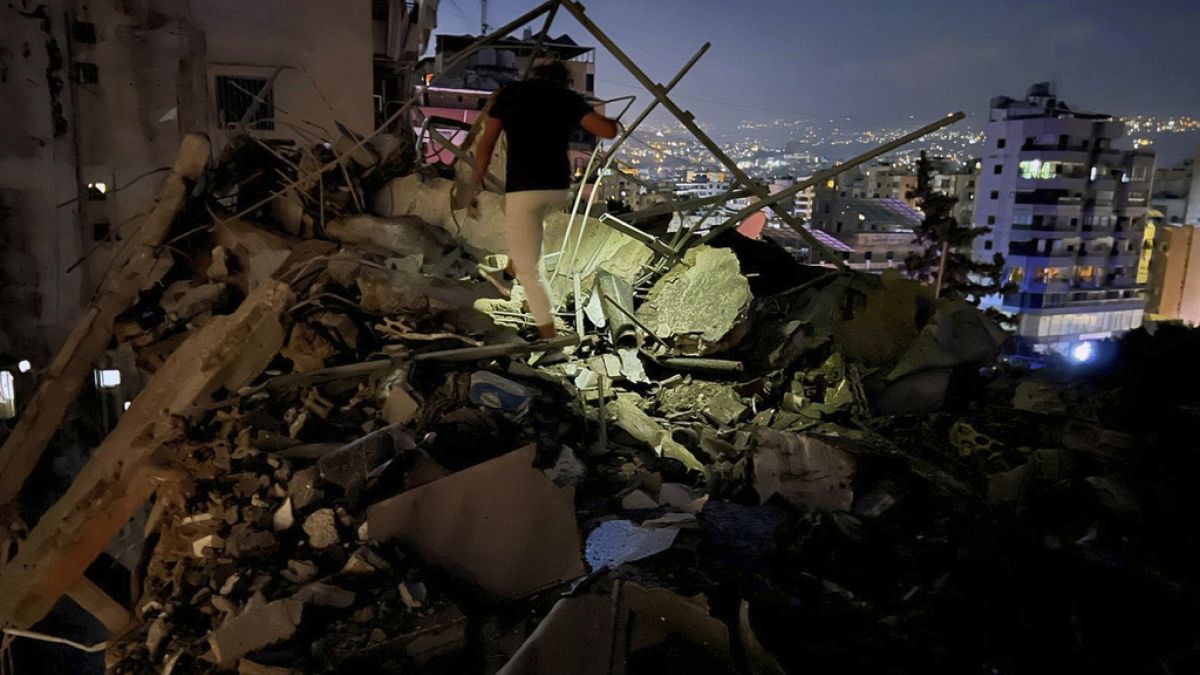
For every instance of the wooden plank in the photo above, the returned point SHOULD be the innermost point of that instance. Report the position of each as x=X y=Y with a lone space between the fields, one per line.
x=110 y=613
x=228 y=352
x=73 y=365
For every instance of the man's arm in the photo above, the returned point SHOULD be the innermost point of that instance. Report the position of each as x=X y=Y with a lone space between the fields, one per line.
x=487 y=144
x=599 y=125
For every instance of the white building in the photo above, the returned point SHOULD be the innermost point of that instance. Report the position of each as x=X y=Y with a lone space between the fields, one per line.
x=1068 y=210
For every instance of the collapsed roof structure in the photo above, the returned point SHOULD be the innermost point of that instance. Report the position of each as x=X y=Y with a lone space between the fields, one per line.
x=346 y=456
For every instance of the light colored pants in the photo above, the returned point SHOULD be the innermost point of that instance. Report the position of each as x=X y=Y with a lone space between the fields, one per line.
x=523 y=215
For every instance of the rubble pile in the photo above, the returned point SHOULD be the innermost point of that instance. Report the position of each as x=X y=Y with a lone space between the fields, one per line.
x=725 y=465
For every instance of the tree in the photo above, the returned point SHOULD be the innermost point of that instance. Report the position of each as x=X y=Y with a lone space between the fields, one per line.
x=946 y=259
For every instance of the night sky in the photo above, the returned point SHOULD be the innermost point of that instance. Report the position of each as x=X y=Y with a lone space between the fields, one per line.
x=880 y=61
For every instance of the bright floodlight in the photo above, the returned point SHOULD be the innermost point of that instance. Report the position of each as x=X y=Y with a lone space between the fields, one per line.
x=24 y=366
x=1084 y=351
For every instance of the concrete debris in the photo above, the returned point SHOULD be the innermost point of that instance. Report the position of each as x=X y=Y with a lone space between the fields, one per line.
x=399 y=236
x=350 y=465
x=299 y=571
x=701 y=305
x=321 y=528
x=567 y=469
x=638 y=424
x=284 y=517
x=1038 y=397
x=259 y=624
x=803 y=470
x=955 y=335
x=336 y=420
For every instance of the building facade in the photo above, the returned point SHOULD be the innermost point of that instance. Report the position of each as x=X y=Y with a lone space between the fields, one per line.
x=878 y=232
x=885 y=181
x=960 y=184
x=1173 y=291
x=1177 y=192
x=1068 y=210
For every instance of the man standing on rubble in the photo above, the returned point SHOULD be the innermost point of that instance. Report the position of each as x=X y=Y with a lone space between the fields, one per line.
x=538 y=115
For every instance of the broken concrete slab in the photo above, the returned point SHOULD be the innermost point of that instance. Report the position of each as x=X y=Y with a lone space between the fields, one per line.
x=350 y=465
x=259 y=624
x=430 y=200
x=259 y=253
x=404 y=236
x=501 y=526
x=699 y=306
x=227 y=352
x=397 y=292
x=183 y=300
x=137 y=264
x=592 y=247
x=958 y=333
x=802 y=469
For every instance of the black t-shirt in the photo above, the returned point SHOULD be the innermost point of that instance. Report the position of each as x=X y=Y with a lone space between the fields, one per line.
x=538 y=117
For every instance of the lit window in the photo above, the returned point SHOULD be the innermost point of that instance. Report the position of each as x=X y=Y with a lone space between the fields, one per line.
x=8 y=396
x=107 y=379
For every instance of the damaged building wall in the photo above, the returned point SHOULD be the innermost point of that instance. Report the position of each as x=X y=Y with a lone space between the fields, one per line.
x=36 y=172
x=99 y=93
x=324 y=51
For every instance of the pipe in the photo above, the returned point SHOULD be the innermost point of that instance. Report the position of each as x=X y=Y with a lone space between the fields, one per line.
x=616 y=301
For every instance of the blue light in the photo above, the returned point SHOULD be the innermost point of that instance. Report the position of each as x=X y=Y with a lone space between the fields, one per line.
x=1083 y=352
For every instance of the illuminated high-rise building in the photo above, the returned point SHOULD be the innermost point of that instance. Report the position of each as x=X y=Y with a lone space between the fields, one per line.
x=1068 y=211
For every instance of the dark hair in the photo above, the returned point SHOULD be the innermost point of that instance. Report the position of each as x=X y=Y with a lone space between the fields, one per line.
x=554 y=71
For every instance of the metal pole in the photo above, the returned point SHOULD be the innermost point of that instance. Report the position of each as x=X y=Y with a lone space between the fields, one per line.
x=822 y=176
x=612 y=149
x=688 y=121
x=610 y=156
x=537 y=46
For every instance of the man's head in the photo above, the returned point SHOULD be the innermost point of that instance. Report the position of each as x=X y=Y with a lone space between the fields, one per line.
x=551 y=71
